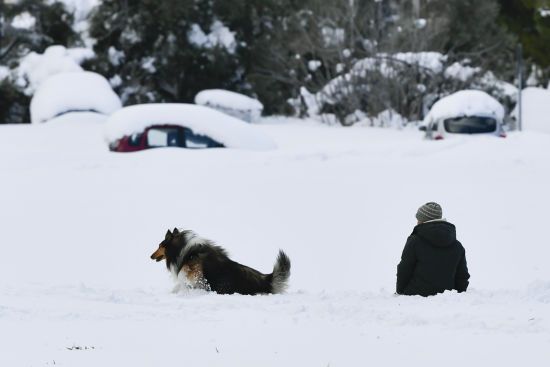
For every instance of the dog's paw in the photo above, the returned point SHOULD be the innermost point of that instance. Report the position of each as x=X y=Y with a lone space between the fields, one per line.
x=176 y=288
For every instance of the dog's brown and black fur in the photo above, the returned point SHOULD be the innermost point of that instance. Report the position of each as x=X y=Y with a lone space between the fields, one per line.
x=207 y=266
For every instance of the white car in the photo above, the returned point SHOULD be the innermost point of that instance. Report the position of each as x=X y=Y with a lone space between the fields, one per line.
x=464 y=112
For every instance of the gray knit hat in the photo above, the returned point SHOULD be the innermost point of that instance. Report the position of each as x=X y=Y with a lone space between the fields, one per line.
x=429 y=211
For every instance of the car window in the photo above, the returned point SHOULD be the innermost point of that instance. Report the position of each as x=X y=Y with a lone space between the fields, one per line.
x=470 y=125
x=134 y=140
x=163 y=137
x=193 y=140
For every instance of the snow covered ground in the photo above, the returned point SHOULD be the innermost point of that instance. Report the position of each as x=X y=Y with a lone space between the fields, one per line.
x=77 y=287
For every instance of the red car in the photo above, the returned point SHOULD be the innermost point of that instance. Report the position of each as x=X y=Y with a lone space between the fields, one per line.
x=163 y=136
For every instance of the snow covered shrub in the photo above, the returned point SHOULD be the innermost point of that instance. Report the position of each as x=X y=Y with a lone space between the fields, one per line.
x=397 y=55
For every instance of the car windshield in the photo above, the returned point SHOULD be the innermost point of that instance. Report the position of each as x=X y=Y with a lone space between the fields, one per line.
x=470 y=125
x=193 y=140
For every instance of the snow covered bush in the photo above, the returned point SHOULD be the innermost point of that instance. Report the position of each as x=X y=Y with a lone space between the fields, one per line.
x=404 y=60
x=35 y=68
x=73 y=91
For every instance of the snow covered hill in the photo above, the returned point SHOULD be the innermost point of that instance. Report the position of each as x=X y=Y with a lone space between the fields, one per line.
x=77 y=287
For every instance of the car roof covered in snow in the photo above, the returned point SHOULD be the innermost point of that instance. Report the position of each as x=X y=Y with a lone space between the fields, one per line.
x=227 y=99
x=73 y=91
x=228 y=130
x=465 y=103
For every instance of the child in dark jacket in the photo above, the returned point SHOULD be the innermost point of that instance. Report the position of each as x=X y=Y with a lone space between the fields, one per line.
x=433 y=260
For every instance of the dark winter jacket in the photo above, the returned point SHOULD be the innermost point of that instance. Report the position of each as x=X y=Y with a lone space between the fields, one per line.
x=433 y=261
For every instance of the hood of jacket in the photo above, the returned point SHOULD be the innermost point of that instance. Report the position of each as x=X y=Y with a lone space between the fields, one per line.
x=438 y=233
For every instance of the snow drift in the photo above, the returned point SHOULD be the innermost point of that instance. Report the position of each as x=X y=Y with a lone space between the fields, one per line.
x=535 y=109
x=234 y=104
x=78 y=289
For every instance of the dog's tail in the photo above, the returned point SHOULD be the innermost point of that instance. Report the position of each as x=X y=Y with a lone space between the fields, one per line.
x=281 y=273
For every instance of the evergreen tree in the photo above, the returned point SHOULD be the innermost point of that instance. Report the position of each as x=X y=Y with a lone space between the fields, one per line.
x=530 y=20
x=52 y=24
x=144 y=46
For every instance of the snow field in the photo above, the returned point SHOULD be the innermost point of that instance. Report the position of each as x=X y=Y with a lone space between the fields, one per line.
x=81 y=223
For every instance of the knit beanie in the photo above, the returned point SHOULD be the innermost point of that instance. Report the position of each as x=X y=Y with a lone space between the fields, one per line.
x=429 y=211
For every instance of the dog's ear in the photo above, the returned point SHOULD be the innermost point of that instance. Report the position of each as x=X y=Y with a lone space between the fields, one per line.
x=176 y=231
x=168 y=235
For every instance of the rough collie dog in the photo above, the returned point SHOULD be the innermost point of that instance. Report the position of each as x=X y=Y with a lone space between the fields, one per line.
x=200 y=263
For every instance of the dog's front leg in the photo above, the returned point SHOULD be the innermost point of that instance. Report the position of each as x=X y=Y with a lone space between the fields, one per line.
x=176 y=288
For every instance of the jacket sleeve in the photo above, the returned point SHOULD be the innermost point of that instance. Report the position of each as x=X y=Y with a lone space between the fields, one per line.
x=406 y=267
x=462 y=275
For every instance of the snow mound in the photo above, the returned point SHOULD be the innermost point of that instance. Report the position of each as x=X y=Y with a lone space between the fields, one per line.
x=35 y=68
x=234 y=104
x=465 y=103
x=73 y=91
x=230 y=131
x=535 y=111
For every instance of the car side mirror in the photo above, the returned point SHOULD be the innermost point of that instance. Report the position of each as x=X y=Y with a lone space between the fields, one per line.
x=422 y=128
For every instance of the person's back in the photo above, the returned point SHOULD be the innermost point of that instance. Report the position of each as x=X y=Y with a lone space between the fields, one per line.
x=433 y=259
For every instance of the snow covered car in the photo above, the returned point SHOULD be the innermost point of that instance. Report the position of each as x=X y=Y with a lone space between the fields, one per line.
x=231 y=103
x=464 y=112
x=183 y=125
x=78 y=91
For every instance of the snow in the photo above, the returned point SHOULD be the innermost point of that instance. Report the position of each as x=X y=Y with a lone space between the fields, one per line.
x=230 y=131
x=420 y=23
x=465 y=103
x=35 y=68
x=4 y=72
x=333 y=37
x=461 y=72
x=81 y=222
x=225 y=98
x=386 y=64
x=234 y=104
x=73 y=91
x=81 y=11
x=148 y=64
x=116 y=57
x=313 y=65
x=535 y=109
x=219 y=36
x=429 y=60
x=115 y=81
x=23 y=21
x=507 y=89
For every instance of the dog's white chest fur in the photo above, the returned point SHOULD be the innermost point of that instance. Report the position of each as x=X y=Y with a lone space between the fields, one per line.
x=186 y=279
